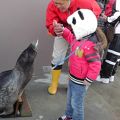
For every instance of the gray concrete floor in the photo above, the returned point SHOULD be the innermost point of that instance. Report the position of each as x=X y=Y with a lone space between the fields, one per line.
x=102 y=100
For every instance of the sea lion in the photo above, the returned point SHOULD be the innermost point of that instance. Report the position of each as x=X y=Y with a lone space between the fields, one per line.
x=13 y=82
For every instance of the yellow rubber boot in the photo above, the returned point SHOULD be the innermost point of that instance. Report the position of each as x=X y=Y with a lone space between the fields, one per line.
x=52 y=89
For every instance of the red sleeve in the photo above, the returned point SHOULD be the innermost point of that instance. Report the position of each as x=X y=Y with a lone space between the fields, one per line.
x=96 y=8
x=109 y=7
x=67 y=35
x=94 y=62
x=50 y=16
x=108 y=10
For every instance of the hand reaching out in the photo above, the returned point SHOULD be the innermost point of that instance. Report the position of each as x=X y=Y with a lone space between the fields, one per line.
x=58 y=28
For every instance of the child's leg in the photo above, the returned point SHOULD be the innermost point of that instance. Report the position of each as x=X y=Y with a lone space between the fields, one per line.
x=69 y=110
x=77 y=100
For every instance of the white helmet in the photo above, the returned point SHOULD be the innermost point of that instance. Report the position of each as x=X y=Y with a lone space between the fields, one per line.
x=83 y=23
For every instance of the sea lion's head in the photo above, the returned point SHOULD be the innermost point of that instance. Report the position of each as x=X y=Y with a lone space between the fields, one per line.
x=27 y=57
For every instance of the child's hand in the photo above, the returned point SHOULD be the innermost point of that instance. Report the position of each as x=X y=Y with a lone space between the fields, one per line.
x=58 y=28
x=85 y=82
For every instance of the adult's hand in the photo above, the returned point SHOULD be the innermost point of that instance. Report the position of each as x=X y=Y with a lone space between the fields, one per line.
x=58 y=28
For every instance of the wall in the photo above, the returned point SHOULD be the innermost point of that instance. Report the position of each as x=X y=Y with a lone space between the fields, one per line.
x=21 y=22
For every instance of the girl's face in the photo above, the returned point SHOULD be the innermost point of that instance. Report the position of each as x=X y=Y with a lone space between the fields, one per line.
x=62 y=5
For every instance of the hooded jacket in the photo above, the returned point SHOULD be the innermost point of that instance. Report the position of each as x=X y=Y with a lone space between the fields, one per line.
x=85 y=63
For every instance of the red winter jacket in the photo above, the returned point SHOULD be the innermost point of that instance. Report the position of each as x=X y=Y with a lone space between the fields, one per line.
x=53 y=13
x=85 y=64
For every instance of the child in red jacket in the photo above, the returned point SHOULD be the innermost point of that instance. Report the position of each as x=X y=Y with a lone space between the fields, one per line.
x=84 y=60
